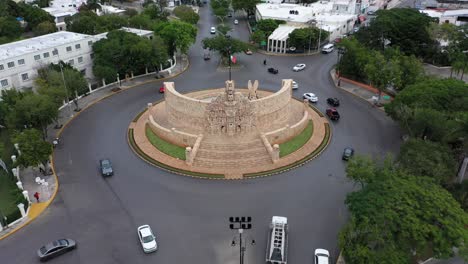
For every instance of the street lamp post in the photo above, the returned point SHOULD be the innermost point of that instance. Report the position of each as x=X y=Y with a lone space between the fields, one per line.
x=64 y=84
x=341 y=52
x=320 y=35
x=229 y=54
x=240 y=224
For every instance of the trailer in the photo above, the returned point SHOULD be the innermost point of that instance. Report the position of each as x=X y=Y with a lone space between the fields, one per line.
x=277 y=243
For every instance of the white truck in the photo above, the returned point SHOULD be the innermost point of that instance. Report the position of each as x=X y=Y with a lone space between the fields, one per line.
x=277 y=243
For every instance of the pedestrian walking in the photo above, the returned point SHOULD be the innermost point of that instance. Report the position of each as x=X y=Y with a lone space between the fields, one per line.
x=41 y=170
x=36 y=195
x=264 y=62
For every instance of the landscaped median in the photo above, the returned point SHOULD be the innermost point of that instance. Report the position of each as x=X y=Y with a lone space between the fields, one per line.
x=164 y=146
x=297 y=142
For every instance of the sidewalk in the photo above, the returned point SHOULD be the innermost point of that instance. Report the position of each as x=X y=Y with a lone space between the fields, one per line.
x=28 y=176
x=362 y=91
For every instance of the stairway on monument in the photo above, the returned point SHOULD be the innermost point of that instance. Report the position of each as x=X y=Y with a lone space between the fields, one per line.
x=231 y=154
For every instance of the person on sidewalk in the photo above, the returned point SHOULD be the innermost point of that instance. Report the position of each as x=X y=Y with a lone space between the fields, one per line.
x=264 y=62
x=36 y=195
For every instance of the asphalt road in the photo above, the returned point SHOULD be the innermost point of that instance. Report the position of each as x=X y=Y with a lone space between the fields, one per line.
x=190 y=216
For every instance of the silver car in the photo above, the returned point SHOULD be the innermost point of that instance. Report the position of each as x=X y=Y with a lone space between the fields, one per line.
x=147 y=239
x=56 y=248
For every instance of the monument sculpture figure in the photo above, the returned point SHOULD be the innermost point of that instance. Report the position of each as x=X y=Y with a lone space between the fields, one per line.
x=230 y=113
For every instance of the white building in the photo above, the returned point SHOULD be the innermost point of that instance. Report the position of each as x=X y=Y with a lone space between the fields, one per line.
x=20 y=61
x=337 y=17
x=457 y=17
x=59 y=15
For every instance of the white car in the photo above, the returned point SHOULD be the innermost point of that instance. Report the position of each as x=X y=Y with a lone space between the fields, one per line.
x=321 y=256
x=236 y=22
x=213 y=30
x=299 y=67
x=295 y=86
x=147 y=239
x=311 y=97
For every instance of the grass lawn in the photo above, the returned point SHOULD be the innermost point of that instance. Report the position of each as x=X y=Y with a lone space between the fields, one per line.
x=297 y=142
x=164 y=146
x=7 y=196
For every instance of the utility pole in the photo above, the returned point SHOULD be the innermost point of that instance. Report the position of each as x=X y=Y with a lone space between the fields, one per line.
x=320 y=35
x=229 y=54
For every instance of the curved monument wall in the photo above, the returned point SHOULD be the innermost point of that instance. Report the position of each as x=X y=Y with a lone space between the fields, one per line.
x=286 y=133
x=182 y=110
x=172 y=135
x=186 y=112
x=274 y=108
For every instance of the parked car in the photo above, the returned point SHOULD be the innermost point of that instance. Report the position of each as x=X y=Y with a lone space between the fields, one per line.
x=273 y=70
x=333 y=114
x=56 y=248
x=248 y=52
x=162 y=89
x=106 y=167
x=236 y=22
x=371 y=13
x=147 y=239
x=206 y=55
x=213 y=30
x=347 y=153
x=299 y=67
x=295 y=86
x=321 y=256
x=311 y=97
x=333 y=101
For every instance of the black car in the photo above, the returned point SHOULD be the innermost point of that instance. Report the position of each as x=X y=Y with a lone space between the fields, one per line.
x=106 y=167
x=273 y=70
x=347 y=153
x=333 y=114
x=333 y=101
x=56 y=248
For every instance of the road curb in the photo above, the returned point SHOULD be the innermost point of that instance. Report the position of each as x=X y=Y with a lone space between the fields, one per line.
x=51 y=199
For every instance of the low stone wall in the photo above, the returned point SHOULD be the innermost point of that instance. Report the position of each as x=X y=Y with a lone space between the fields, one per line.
x=172 y=135
x=273 y=151
x=287 y=132
x=191 y=153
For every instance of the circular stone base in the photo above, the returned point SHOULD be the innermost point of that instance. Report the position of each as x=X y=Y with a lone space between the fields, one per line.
x=224 y=170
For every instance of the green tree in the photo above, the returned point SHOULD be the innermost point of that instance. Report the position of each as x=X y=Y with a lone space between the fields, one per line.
x=177 y=35
x=34 y=15
x=247 y=5
x=155 y=12
x=405 y=28
x=460 y=193
x=10 y=28
x=34 y=150
x=258 y=36
x=225 y=45
x=83 y=22
x=268 y=25
x=220 y=8
x=45 y=28
x=354 y=60
x=7 y=104
x=122 y=52
x=424 y=158
x=142 y=21
x=382 y=72
x=307 y=38
x=111 y=22
x=396 y=218
x=32 y=110
x=186 y=14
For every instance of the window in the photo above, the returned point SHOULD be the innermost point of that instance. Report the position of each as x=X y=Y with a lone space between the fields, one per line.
x=37 y=57
x=24 y=77
x=83 y=72
x=90 y=43
x=55 y=52
x=21 y=62
x=71 y=62
x=1 y=67
x=80 y=59
x=68 y=48
x=45 y=55
x=11 y=64
x=78 y=46
x=4 y=82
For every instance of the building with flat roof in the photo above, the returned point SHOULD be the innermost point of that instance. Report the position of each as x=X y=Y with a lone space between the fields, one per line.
x=457 y=17
x=20 y=60
x=337 y=17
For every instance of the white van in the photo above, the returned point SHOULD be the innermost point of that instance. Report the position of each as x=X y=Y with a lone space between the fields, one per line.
x=328 y=48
